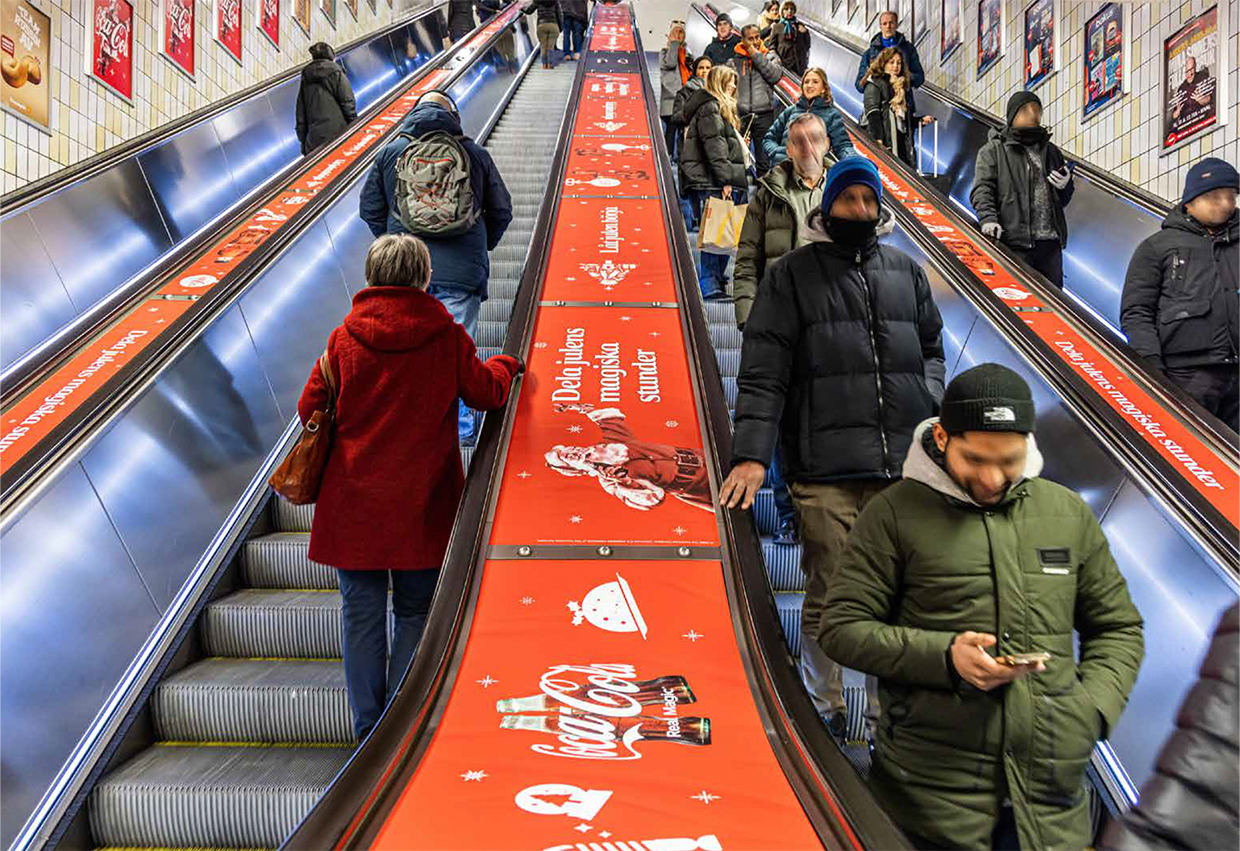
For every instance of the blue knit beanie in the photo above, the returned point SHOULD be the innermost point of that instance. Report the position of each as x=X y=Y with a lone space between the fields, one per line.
x=848 y=171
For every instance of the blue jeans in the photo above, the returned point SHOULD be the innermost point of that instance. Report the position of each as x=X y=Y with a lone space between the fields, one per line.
x=371 y=677
x=574 y=34
x=712 y=268
x=464 y=306
x=779 y=488
x=673 y=132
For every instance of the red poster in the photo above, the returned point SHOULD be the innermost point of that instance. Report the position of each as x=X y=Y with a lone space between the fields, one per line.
x=267 y=17
x=176 y=33
x=227 y=20
x=599 y=166
x=609 y=116
x=352 y=7
x=112 y=45
x=610 y=37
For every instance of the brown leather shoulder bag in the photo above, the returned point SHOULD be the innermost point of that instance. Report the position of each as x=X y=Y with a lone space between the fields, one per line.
x=298 y=478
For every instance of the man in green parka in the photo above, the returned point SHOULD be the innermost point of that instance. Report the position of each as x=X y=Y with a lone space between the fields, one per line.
x=968 y=561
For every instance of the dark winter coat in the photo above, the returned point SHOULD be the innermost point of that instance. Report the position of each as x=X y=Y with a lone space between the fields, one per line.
x=776 y=141
x=1179 y=303
x=842 y=358
x=712 y=156
x=578 y=9
x=1194 y=796
x=882 y=122
x=790 y=44
x=488 y=9
x=694 y=84
x=547 y=11
x=1002 y=190
x=393 y=477
x=911 y=60
x=756 y=77
x=459 y=262
x=924 y=563
x=675 y=71
x=325 y=104
x=720 y=51
x=460 y=18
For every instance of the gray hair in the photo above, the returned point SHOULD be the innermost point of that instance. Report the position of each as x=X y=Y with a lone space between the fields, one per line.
x=398 y=260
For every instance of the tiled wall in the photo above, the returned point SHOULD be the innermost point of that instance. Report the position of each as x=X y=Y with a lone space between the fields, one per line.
x=1123 y=138
x=88 y=119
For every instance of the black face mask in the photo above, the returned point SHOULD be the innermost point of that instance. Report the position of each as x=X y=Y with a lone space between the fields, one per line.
x=1031 y=135
x=850 y=233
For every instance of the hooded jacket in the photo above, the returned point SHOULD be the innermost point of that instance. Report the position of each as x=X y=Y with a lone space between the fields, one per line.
x=1003 y=191
x=675 y=71
x=789 y=43
x=393 y=476
x=325 y=104
x=776 y=142
x=912 y=61
x=712 y=156
x=882 y=123
x=459 y=262
x=460 y=18
x=1179 y=303
x=756 y=77
x=842 y=357
x=693 y=84
x=924 y=563
x=721 y=50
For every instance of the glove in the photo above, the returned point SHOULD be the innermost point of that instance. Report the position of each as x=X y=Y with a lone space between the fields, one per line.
x=1059 y=179
x=992 y=230
x=515 y=366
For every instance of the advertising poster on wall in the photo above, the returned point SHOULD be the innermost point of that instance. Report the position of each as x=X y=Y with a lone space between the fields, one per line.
x=176 y=34
x=853 y=6
x=1041 y=41
x=112 y=46
x=952 y=33
x=267 y=18
x=25 y=45
x=351 y=5
x=990 y=27
x=871 y=12
x=302 y=10
x=1104 y=51
x=226 y=23
x=918 y=25
x=1193 y=75
x=329 y=10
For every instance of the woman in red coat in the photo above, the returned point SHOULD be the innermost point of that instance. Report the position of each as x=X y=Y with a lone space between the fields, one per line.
x=393 y=477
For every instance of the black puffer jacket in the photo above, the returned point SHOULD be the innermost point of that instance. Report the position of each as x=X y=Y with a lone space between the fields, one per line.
x=460 y=18
x=548 y=12
x=882 y=122
x=721 y=50
x=712 y=156
x=1003 y=190
x=842 y=358
x=1193 y=798
x=1179 y=303
x=325 y=104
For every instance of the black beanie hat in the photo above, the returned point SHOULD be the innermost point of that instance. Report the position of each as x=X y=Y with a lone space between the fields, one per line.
x=988 y=397
x=322 y=50
x=1019 y=99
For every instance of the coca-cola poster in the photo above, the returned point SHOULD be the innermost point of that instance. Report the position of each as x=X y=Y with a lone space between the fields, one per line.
x=112 y=45
x=25 y=46
x=176 y=34
x=303 y=10
x=227 y=24
x=329 y=10
x=267 y=18
x=351 y=5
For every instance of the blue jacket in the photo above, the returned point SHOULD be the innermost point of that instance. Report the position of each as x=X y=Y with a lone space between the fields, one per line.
x=912 y=61
x=458 y=262
x=775 y=142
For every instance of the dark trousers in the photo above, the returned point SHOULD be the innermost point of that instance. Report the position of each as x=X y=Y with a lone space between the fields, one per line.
x=784 y=509
x=574 y=34
x=1217 y=388
x=755 y=124
x=673 y=133
x=370 y=675
x=1046 y=257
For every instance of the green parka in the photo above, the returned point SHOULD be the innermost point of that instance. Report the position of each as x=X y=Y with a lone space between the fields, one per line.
x=924 y=563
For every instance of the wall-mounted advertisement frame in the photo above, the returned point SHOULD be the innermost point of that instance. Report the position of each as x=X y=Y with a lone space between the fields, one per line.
x=329 y=11
x=226 y=27
x=853 y=6
x=351 y=5
x=303 y=12
x=1106 y=52
x=111 y=46
x=25 y=53
x=267 y=19
x=951 y=32
x=919 y=23
x=176 y=25
x=991 y=34
x=1041 y=28
x=1194 y=79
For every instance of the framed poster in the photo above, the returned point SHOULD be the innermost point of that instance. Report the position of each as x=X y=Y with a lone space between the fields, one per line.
x=871 y=12
x=952 y=33
x=226 y=26
x=176 y=34
x=1194 y=79
x=111 y=46
x=329 y=10
x=301 y=15
x=1106 y=59
x=374 y=8
x=1041 y=41
x=25 y=62
x=267 y=19
x=853 y=6
x=835 y=7
x=990 y=26
x=351 y=5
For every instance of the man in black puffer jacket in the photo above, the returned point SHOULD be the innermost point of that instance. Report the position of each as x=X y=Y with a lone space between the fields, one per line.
x=842 y=358
x=1179 y=305
x=325 y=104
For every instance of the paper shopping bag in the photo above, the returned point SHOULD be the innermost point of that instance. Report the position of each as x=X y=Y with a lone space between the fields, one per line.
x=720 y=230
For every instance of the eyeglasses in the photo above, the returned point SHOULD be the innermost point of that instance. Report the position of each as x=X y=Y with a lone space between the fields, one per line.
x=676 y=23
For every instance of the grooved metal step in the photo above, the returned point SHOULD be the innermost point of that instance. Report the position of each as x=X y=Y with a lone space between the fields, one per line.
x=280 y=623
x=282 y=560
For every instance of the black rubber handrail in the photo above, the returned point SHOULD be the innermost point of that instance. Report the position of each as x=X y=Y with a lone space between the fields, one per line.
x=35 y=190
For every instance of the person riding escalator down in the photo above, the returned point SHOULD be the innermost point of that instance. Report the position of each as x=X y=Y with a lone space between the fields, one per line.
x=675 y=71
x=891 y=108
x=816 y=98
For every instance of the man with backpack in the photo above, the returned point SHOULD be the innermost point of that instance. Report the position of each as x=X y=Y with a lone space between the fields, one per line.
x=440 y=185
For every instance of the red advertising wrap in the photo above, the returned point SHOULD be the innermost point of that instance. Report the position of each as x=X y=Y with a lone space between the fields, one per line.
x=176 y=33
x=61 y=394
x=267 y=18
x=112 y=45
x=227 y=22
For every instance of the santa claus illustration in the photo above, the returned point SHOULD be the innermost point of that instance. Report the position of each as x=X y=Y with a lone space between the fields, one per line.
x=639 y=473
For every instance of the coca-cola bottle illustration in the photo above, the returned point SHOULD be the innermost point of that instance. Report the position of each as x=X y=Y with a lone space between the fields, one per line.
x=649 y=693
x=687 y=731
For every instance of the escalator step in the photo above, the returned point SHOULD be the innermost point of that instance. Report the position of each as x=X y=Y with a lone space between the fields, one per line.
x=269 y=623
x=291 y=518
x=720 y=312
x=496 y=310
x=492 y=333
x=783 y=566
x=255 y=700
x=282 y=560
x=729 y=362
x=725 y=337
x=729 y=391
x=789 y=607
x=174 y=796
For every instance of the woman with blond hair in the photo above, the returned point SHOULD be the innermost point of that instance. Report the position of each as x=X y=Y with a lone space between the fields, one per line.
x=890 y=110
x=714 y=162
x=815 y=98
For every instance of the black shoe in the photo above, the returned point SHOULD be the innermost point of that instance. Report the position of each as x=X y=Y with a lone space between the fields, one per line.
x=837 y=724
x=787 y=534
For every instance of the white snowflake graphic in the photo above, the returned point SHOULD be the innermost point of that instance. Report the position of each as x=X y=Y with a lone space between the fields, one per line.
x=524 y=474
x=680 y=530
x=705 y=797
x=576 y=518
x=655 y=334
x=486 y=682
x=672 y=423
x=693 y=635
x=608 y=273
x=583 y=827
x=527 y=601
x=575 y=429
x=540 y=345
x=473 y=775
x=626 y=318
x=604 y=833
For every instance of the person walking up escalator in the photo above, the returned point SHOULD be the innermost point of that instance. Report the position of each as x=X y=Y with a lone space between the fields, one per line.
x=549 y=22
x=325 y=104
x=576 y=18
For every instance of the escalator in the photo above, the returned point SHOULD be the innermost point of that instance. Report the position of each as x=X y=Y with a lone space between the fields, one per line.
x=1179 y=576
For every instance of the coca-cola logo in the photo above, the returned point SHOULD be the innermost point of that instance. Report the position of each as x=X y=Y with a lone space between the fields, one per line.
x=271 y=11
x=180 y=16
x=230 y=14
x=112 y=31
